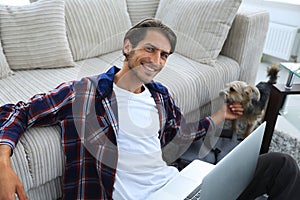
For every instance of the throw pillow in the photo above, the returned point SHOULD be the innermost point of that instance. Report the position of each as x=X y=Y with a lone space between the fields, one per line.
x=141 y=9
x=4 y=68
x=201 y=25
x=96 y=27
x=34 y=35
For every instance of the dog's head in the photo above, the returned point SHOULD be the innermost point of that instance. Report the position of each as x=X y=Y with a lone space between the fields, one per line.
x=239 y=91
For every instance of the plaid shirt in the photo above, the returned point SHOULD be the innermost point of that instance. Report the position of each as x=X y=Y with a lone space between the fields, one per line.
x=86 y=110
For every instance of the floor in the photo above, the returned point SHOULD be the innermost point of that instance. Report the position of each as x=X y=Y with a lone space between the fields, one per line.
x=292 y=105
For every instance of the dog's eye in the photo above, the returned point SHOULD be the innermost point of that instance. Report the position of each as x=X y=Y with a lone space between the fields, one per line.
x=232 y=89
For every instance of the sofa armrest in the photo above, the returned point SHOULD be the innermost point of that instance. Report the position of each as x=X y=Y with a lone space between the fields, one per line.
x=246 y=40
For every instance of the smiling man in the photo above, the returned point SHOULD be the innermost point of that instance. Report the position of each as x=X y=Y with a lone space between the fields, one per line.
x=122 y=132
x=144 y=59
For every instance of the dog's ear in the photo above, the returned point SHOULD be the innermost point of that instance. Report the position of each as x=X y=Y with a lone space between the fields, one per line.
x=252 y=92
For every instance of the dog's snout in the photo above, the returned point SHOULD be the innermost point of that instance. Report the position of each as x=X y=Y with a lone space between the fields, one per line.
x=222 y=93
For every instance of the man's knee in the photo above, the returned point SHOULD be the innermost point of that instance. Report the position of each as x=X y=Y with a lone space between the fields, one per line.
x=280 y=162
x=283 y=160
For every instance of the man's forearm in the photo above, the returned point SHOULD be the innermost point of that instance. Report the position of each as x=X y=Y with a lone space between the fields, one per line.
x=218 y=117
x=5 y=152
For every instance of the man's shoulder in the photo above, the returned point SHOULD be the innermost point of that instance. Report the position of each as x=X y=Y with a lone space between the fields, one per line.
x=158 y=87
x=102 y=82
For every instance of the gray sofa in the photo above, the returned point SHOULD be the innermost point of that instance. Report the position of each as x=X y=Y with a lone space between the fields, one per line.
x=53 y=41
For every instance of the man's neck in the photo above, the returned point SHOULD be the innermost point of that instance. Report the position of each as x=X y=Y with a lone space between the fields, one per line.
x=126 y=80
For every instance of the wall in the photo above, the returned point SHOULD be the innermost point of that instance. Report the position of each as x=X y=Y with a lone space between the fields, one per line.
x=280 y=13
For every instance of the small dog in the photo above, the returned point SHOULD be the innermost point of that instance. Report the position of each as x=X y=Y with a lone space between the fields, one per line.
x=254 y=100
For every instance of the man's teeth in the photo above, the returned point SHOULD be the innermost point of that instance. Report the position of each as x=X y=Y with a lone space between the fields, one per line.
x=150 y=69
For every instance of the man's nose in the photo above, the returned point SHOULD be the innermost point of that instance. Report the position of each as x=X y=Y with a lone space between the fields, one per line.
x=156 y=58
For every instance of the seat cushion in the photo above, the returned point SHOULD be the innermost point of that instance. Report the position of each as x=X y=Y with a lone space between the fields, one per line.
x=26 y=83
x=193 y=84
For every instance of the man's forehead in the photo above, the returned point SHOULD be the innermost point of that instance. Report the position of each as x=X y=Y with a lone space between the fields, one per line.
x=157 y=39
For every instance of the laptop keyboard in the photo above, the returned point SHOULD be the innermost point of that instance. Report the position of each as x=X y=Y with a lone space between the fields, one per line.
x=195 y=194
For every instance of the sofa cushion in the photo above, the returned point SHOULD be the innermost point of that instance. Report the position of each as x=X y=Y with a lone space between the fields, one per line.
x=44 y=153
x=4 y=68
x=34 y=35
x=96 y=27
x=141 y=9
x=26 y=83
x=49 y=190
x=185 y=78
x=193 y=84
x=201 y=26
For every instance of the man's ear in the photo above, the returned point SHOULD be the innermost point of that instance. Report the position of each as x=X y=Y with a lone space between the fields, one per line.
x=127 y=47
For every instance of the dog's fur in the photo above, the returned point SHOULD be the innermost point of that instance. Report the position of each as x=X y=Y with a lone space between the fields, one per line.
x=254 y=100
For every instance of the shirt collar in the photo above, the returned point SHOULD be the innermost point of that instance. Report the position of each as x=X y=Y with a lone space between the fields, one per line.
x=105 y=82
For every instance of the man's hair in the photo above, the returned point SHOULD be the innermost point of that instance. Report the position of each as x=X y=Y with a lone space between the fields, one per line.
x=138 y=32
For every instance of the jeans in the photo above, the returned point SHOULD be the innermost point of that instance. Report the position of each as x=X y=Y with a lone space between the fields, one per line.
x=276 y=175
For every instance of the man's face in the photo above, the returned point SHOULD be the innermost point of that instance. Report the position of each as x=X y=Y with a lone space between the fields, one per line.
x=150 y=55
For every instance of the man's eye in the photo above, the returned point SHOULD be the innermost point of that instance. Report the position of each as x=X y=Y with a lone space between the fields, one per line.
x=164 y=55
x=150 y=49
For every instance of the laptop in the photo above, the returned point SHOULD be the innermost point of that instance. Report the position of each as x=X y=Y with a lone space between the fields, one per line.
x=226 y=180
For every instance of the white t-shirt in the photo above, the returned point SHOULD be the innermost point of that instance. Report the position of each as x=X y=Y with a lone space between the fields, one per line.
x=140 y=169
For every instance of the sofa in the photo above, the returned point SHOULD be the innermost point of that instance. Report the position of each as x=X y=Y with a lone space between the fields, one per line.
x=49 y=42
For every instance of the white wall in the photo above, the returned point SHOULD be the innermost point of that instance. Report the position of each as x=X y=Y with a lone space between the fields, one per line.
x=283 y=13
x=279 y=12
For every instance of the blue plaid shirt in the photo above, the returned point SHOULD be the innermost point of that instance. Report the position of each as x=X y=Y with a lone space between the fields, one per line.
x=86 y=110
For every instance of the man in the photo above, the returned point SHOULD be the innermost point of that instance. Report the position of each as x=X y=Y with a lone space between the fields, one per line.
x=121 y=131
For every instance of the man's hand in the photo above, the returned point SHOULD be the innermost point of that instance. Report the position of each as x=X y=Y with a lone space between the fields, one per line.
x=9 y=181
x=234 y=111
x=229 y=112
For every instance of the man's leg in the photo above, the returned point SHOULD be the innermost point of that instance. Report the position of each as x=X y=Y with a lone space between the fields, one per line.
x=277 y=175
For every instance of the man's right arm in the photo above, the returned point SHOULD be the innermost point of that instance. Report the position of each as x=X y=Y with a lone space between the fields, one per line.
x=42 y=109
x=9 y=181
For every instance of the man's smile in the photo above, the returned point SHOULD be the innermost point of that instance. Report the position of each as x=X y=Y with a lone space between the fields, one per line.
x=149 y=67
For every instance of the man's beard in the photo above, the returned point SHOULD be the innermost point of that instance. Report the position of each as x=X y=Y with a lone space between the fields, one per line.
x=134 y=68
x=129 y=58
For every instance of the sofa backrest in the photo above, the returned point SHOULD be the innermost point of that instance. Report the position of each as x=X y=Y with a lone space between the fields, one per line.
x=141 y=9
x=201 y=26
x=97 y=27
